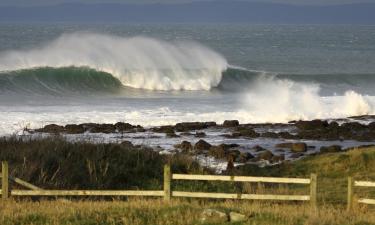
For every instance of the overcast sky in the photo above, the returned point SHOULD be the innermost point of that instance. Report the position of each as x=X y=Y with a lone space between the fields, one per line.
x=48 y=2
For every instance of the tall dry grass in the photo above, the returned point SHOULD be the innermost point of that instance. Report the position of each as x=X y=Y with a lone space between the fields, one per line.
x=139 y=211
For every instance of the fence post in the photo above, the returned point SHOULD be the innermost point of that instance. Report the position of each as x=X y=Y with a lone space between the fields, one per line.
x=167 y=182
x=350 y=193
x=4 y=180
x=313 y=190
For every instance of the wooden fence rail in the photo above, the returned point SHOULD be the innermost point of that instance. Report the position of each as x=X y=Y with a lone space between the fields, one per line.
x=351 y=184
x=311 y=197
x=167 y=193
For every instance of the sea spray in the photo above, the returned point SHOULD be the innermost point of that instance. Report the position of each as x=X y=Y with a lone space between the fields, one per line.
x=138 y=62
x=271 y=99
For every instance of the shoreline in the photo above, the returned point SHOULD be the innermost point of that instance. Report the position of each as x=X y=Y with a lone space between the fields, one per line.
x=218 y=145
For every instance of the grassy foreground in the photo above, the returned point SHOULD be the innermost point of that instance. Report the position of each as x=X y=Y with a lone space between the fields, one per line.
x=154 y=211
x=57 y=164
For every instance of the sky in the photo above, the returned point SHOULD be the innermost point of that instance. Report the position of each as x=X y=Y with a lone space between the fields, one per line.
x=49 y=2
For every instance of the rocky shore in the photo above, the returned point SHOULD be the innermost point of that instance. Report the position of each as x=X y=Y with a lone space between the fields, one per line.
x=233 y=143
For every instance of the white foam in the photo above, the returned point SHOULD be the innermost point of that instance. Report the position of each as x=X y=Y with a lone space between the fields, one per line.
x=281 y=100
x=137 y=62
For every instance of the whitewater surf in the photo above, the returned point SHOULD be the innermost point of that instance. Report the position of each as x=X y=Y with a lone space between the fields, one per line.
x=96 y=77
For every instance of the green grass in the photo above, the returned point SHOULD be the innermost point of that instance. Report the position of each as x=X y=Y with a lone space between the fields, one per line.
x=116 y=166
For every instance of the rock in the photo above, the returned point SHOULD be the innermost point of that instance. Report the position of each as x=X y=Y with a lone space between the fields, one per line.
x=127 y=144
x=163 y=129
x=121 y=127
x=218 y=152
x=243 y=157
x=278 y=158
x=294 y=147
x=199 y=134
x=311 y=125
x=103 y=128
x=213 y=216
x=353 y=126
x=75 y=129
x=266 y=155
x=258 y=148
x=231 y=123
x=332 y=148
x=237 y=217
x=247 y=132
x=172 y=135
x=183 y=127
x=51 y=128
x=201 y=145
x=286 y=135
x=270 y=135
x=185 y=146
x=299 y=147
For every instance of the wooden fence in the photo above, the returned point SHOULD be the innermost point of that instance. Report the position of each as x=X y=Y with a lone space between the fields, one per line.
x=168 y=193
x=351 y=184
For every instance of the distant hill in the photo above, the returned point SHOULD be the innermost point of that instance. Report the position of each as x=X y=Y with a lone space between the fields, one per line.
x=210 y=11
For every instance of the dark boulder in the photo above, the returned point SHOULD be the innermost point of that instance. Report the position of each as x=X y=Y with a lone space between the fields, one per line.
x=183 y=127
x=266 y=155
x=294 y=147
x=247 y=132
x=51 y=128
x=200 y=134
x=270 y=135
x=121 y=127
x=201 y=146
x=163 y=129
x=258 y=148
x=185 y=146
x=231 y=123
x=103 y=128
x=75 y=129
x=243 y=157
x=312 y=125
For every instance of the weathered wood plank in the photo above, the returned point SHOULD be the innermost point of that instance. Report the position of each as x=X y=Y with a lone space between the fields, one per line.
x=350 y=197
x=240 y=196
x=367 y=201
x=23 y=183
x=167 y=182
x=313 y=190
x=241 y=178
x=364 y=184
x=85 y=193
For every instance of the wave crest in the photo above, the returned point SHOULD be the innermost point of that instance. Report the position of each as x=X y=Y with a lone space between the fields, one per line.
x=138 y=62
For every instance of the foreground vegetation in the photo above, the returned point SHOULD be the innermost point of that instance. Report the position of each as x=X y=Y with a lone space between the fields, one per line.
x=54 y=163
x=153 y=211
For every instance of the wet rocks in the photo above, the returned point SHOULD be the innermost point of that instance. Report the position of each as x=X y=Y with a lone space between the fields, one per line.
x=245 y=132
x=294 y=147
x=51 y=128
x=200 y=134
x=330 y=149
x=163 y=129
x=183 y=127
x=311 y=125
x=75 y=129
x=265 y=155
x=201 y=146
x=122 y=127
x=231 y=123
x=185 y=146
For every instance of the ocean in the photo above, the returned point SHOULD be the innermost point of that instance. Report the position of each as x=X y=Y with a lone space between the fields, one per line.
x=160 y=74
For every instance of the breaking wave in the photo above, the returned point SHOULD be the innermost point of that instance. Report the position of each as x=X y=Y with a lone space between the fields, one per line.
x=137 y=62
